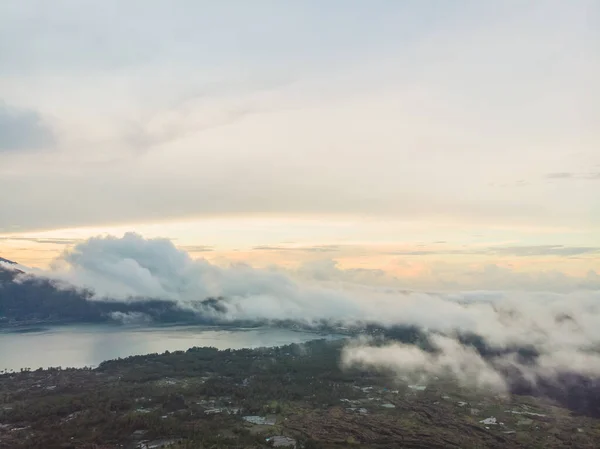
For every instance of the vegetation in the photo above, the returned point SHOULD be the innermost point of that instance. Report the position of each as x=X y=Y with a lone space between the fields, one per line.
x=198 y=399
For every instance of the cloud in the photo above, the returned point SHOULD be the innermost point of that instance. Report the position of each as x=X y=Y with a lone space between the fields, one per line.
x=131 y=317
x=132 y=267
x=240 y=130
x=559 y=175
x=563 y=329
x=217 y=105
x=495 y=277
x=444 y=276
x=450 y=358
x=567 y=176
x=520 y=251
x=197 y=248
x=309 y=249
x=328 y=270
x=9 y=265
x=22 y=129
x=52 y=241
x=542 y=250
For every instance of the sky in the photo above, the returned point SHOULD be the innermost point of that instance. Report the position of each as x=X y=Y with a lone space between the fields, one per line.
x=420 y=144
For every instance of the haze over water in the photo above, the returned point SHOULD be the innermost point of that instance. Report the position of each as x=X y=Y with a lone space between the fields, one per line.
x=88 y=345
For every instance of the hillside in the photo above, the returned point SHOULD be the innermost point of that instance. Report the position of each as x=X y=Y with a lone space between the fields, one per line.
x=204 y=398
x=7 y=274
x=35 y=300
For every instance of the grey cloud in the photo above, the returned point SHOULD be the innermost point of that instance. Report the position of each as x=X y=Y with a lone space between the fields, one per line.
x=22 y=129
x=139 y=138
x=327 y=270
x=568 y=175
x=196 y=248
x=559 y=175
x=518 y=183
x=465 y=364
x=131 y=317
x=543 y=250
x=37 y=250
x=310 y=249
x=425 y=252
x=519 y=251
x=214 y=105
x=54 y=241
x=451 y=357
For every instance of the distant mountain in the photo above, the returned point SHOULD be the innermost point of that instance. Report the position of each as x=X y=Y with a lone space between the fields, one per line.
x=7 y=274
x=40 y=300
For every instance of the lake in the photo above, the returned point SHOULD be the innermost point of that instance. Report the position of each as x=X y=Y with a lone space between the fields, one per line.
x=88 y=345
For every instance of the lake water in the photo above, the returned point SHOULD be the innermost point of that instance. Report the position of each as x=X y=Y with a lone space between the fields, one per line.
x=88 y=345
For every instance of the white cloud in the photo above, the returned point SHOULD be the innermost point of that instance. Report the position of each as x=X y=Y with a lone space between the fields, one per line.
x=132 y=266
x=388 y=109
x=451 y=359
x=562 y=327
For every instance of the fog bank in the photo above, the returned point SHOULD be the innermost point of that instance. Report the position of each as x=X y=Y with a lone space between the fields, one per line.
x=562 y=329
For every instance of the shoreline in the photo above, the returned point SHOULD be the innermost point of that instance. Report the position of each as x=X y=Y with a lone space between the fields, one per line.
x=80 y=345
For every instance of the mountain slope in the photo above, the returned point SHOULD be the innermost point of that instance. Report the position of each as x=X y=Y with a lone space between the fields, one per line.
x=7 y=273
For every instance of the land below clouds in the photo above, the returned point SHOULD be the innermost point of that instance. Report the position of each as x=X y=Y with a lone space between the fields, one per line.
x=299 y=393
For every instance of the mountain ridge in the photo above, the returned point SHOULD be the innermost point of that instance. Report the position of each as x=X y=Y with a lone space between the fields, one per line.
x=8 y=274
